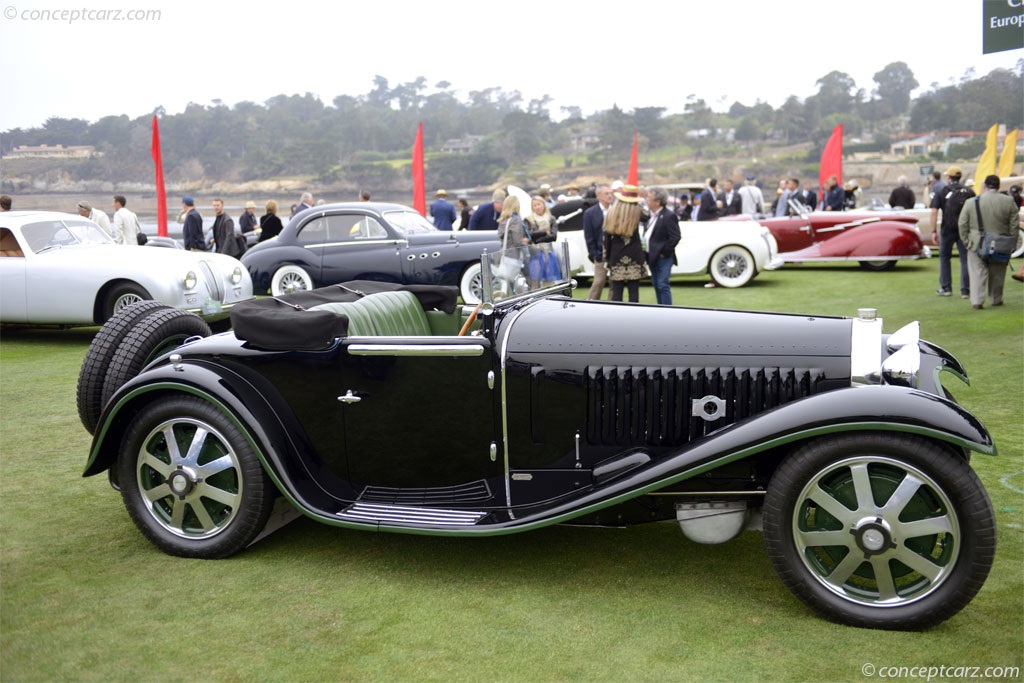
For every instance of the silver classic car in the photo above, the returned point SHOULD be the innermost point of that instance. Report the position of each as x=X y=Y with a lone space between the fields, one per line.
x=59 y=268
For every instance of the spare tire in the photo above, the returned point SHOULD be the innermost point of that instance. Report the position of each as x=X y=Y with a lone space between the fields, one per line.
x=97 y=359
x=154 y=334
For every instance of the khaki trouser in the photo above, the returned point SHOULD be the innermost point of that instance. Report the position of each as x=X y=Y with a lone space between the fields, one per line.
x=986 y=278
x=600 y=278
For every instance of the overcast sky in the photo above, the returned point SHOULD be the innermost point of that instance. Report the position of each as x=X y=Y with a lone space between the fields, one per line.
x=90 y=66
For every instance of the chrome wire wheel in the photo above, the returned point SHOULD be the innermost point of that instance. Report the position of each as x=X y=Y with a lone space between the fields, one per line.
x=876 y=531
x=125 y=300
x=190 y=478
x=732 y=266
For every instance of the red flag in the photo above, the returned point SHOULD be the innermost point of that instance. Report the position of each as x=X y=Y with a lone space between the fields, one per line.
x=634 y=173
x=419 y=189
x=161 y=194
x=832 y=158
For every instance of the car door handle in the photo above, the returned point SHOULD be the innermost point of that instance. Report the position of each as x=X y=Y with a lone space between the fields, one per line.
x=350 y=398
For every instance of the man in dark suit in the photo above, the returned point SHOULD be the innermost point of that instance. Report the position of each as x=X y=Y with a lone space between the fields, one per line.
x=809 y=197
x=593 y=229
x=708 y=209
x=661 y=236
x=729 y=200
x=486 y=215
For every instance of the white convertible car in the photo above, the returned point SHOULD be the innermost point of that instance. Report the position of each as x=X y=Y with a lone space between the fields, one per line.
x=731 y=252
x=58 y=268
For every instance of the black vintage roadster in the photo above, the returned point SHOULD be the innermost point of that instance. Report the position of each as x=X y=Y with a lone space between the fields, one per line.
x=834 y=438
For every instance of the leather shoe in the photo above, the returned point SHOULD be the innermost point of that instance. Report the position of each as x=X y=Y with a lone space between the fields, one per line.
x=978 y=307
x=1018 y=276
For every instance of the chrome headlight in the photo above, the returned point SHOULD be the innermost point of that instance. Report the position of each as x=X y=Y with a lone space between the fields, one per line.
x=903 y=367
x=191 y=280
x=236 y=275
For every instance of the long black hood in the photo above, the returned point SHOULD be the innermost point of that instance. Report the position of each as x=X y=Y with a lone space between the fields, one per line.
x=570 y=325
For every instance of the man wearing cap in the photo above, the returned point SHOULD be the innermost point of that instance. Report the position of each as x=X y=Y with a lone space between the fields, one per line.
x=247 y=221
x=485 y=217
x=193 y=230
x=442 y=211
x=86 y=210
x=125 y=226
x=950 y=201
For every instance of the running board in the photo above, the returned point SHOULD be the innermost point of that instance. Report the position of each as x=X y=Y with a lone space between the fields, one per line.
x=409 y=516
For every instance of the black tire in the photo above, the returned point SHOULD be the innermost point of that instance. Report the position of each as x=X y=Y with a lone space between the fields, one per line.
x=89 y=393
x=121 y=296
x=878 y=266
x=155 y=333
x=879 y=530
x=217 y=496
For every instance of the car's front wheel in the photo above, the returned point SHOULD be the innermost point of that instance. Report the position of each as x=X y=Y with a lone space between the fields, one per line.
x=288 y=279
x=191 y=481
x=879 y=530
x=120 y=297
x=732 y=266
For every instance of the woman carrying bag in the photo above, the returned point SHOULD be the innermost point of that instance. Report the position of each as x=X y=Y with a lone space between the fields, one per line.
x=514 y=241
x=543 y=230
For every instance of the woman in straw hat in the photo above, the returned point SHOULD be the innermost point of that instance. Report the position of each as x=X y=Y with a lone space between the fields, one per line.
x=623 y=252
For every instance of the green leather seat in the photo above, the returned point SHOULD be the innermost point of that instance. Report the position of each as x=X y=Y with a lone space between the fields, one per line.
x=385 y=314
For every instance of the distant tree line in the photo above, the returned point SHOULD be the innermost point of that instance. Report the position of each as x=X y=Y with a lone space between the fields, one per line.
x=368 y=136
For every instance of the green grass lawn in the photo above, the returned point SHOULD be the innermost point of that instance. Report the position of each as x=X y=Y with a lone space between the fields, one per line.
x=84 y=597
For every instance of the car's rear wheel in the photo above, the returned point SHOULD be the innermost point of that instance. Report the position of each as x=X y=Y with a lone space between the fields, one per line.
x=191 y=481
x=879 y=530
x=155 y=333
x=89 y=394
x=732 y=266
x=120 y=297
x=878 y=266
x=290 y=279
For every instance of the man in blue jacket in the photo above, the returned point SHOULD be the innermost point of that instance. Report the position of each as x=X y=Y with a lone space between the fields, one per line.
x=834 y=196
x=442 y=212
x=486 y=215
x=193 y=230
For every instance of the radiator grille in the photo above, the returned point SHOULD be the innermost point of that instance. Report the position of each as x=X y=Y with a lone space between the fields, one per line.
x=632 y=405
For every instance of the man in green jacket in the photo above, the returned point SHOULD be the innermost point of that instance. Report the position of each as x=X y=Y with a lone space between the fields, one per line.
x=998 y=215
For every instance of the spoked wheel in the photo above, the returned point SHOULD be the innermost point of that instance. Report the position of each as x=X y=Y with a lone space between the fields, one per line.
x=732 y=266
x=471 y=284
x=121 y=297
x=879 y=530
x=191 y=481
x=290 y=279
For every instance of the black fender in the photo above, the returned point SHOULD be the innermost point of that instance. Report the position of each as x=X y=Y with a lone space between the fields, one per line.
x=271 y=429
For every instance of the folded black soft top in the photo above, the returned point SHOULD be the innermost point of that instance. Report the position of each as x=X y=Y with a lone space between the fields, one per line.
x=285 y=322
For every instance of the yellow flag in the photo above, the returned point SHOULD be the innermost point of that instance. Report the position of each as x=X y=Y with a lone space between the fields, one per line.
x=1009 y=156
x=987 y=163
